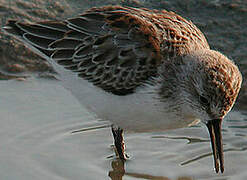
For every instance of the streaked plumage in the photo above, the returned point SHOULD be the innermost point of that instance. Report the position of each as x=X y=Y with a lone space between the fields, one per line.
x=153 y=66
x=117 y=48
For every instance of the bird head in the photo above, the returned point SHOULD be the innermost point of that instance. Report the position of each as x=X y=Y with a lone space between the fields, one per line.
x=204 y=85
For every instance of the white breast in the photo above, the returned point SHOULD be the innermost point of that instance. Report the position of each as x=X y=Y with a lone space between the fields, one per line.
x=138 y=112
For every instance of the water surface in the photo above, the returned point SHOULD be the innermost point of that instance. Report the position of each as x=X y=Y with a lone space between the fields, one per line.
x=38 y=117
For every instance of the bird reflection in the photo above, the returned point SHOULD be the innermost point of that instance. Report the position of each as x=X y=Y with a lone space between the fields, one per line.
x=118 y=171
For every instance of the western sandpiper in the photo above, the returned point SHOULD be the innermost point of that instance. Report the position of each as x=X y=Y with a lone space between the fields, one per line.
x=138 y=68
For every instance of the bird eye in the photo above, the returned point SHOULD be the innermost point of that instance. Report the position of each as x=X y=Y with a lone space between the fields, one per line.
x=203 y=100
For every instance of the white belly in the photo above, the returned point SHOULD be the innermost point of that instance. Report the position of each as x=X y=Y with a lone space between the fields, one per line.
x=137 y=112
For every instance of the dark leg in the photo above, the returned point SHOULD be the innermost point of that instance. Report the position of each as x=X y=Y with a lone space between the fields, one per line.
x=119 y=142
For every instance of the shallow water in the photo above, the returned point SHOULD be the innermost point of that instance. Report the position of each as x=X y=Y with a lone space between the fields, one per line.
x=37 y=120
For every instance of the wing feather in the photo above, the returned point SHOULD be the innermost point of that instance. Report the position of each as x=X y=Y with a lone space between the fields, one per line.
x=111 y=48
x=40 y=31
x=65 y=43
x=40 y=43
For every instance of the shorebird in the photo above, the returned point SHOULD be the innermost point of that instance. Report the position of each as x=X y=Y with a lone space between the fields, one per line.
x=138 y=68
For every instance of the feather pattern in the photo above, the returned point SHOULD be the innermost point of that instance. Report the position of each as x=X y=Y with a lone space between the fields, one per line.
x=116 y=48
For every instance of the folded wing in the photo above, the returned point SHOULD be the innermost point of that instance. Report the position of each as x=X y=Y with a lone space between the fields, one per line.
x=111 y=48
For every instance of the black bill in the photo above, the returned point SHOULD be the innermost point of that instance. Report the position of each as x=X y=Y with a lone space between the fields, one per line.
x=214 y=128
